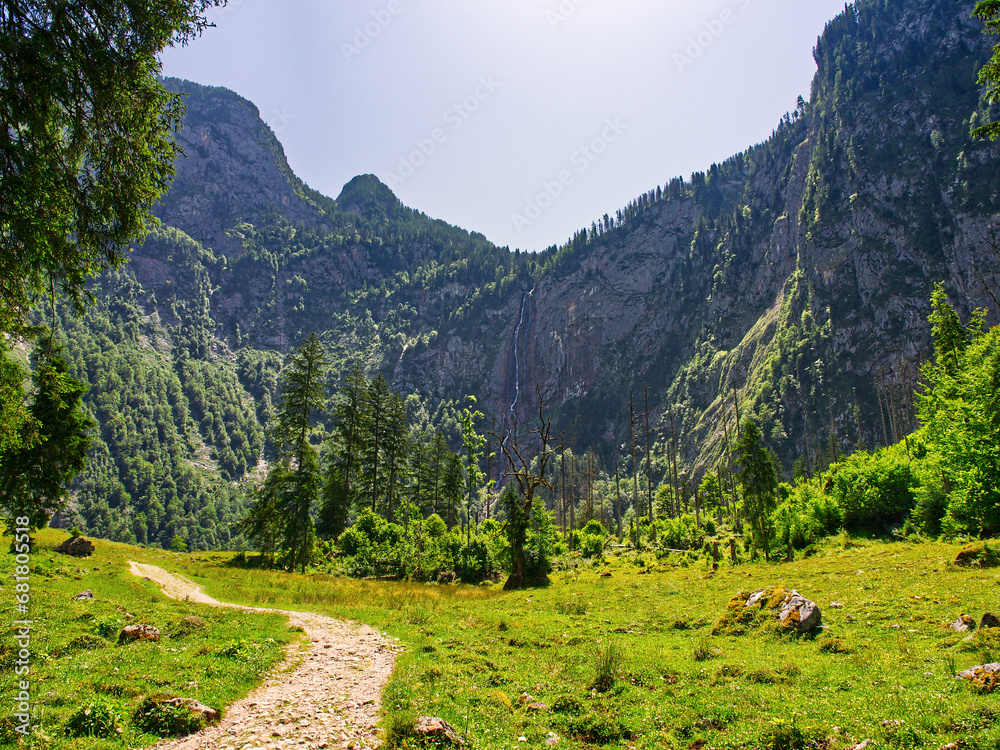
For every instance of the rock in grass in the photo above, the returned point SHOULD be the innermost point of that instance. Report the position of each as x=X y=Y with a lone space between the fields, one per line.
x=83 y=596
x=985 y=678
x=132 y=633
x=438 y=730
x=76 y=546
x=798 y=612
x=964 y=624
x=989 y=621
x=978 y=555
x=788 y=607
x=207 y=712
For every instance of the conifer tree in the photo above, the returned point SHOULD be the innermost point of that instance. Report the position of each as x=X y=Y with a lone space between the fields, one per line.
x=36 y=473
x=302 y=396
x=759 y=481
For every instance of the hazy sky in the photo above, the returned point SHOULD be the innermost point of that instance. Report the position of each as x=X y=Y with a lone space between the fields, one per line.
x=525 y=120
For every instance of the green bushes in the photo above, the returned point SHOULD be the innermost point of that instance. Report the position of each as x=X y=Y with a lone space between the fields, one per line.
x=874 y=489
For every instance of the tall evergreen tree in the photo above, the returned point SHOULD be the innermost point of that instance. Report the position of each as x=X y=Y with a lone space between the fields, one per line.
x=35 y=475
x=301 y=397
x=344 y=451
x=760 y=483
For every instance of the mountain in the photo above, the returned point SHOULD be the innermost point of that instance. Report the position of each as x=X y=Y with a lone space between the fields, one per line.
x=793 y=279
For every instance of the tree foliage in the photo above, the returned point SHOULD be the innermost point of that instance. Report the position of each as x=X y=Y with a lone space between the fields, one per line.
x=35 y=476
x=87 y=142
x=759 y=481
x=988 y=11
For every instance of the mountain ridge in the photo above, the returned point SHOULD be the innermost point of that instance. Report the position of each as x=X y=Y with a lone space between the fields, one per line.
x=792 y=279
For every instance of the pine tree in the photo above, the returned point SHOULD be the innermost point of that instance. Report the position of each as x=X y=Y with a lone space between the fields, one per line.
x=35 y=475
x=759 y=481
x=302 y=396
x=344 y=449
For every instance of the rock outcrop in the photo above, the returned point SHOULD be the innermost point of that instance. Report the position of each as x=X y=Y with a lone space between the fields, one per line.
x=76 y=546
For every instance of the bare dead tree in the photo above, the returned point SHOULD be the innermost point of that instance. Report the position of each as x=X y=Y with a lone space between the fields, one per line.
x=530 y=477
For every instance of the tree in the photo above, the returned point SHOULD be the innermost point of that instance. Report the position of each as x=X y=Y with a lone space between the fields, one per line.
x=988 y=11
x=344 y=449
x=473 y=442
x=760 y=483
x=262 y=524
x=87 y=145
x=302 y=395
x=530 y=473
x=35 y=475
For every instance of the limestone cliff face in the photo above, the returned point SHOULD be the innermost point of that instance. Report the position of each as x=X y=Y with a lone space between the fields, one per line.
x=800 y=271
x=847 y=217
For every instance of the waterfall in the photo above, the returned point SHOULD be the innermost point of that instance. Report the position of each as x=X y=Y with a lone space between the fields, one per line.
x=517 y=364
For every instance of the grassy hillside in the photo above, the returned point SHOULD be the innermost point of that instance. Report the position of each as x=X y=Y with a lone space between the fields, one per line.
x=212 y=655
x=882 y=669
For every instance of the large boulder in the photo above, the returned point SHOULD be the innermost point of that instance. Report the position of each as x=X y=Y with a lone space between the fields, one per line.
x=76 y=546
x=775 y=605
x=132 y=633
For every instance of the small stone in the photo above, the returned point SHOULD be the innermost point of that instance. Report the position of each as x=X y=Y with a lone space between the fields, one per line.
x=439 y=729
x=863 y=745
x=522 y=739
x=83 y=596
x=836 y=605
x=537 y=706
x=964 y=624
x=132 y=633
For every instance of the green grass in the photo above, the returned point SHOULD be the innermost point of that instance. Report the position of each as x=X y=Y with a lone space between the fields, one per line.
x=473 y=653
x=76 y=660
x=883 y=668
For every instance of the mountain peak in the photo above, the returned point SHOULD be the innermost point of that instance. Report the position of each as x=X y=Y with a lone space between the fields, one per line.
x=366 y=195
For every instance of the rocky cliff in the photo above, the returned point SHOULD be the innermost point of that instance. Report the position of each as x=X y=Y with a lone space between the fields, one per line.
x=799 y=271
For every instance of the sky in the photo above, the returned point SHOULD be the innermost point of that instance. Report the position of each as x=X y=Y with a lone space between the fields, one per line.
x=525 y=120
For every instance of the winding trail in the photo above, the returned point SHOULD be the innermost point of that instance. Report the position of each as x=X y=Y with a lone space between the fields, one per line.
x=326 y=695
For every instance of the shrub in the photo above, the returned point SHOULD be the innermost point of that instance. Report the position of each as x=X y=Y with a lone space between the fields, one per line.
x=567 y=704
x=157 y=715
x=874 y=489
x=95 y=719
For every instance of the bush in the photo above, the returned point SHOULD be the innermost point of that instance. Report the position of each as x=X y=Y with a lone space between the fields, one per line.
x=874 y=489
x=158 y=716
x=95 y=719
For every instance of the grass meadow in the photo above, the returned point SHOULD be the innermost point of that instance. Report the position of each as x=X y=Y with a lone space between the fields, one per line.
x=617 y=653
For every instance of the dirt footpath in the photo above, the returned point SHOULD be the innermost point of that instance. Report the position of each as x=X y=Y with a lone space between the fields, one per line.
x=327 y=694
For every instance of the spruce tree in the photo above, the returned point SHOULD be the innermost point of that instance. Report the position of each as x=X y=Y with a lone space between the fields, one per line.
x=759 y=481
x=36 y=474
x=302 y=396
